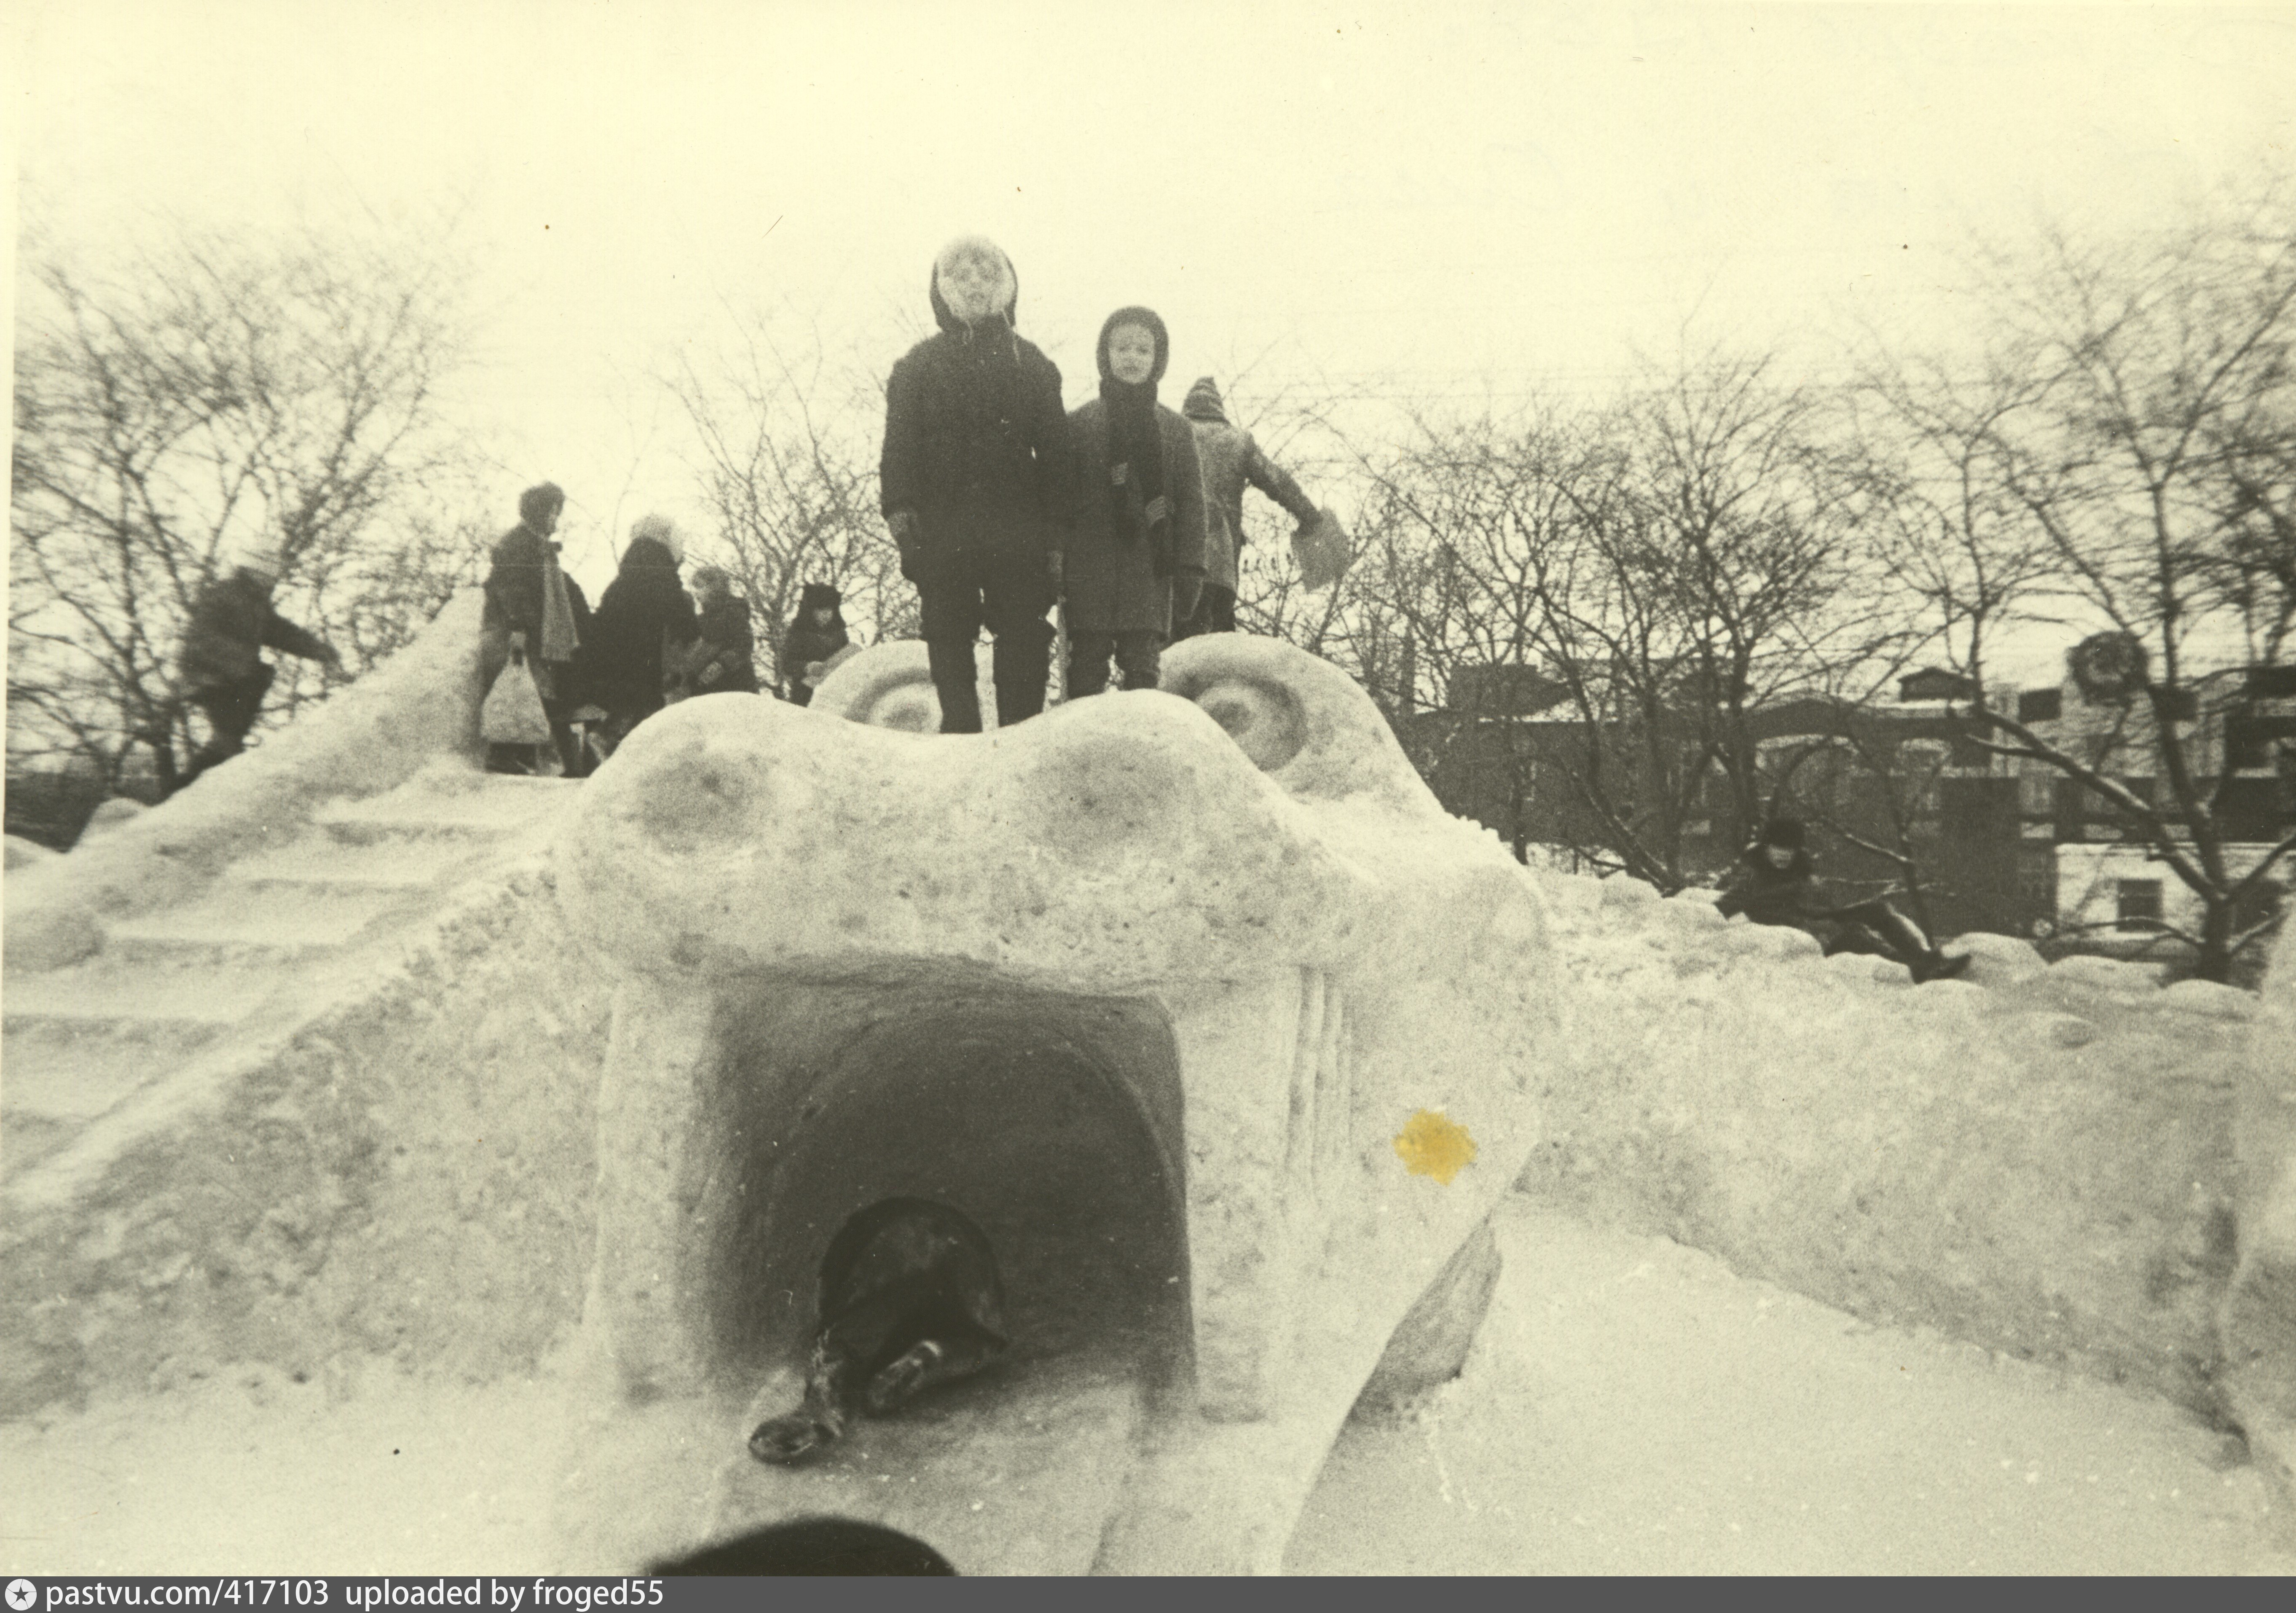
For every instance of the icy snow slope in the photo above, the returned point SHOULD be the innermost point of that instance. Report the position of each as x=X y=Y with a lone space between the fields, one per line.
x=239 y=1118
x=2065 y=1163
x=340 y=1101
x=421 y=705
x=1630 y=1407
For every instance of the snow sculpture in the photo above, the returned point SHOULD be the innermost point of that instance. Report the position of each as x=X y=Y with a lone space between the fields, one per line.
x=1229 y=908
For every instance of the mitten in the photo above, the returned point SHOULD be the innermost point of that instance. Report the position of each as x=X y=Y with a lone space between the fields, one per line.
x=904 y=525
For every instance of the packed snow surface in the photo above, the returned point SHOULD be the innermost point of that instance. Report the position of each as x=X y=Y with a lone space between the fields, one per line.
x=1631 y=1406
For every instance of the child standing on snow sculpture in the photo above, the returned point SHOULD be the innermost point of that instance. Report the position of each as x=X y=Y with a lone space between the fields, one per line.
x=817 y=633
x=1232 y=459
x=976 y=485
x=1136 y=559
x=643 y=620
x=719 y=660
x=1778 y=885
x=534 y=608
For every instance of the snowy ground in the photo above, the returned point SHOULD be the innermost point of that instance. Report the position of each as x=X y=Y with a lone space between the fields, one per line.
x=1632 y=1407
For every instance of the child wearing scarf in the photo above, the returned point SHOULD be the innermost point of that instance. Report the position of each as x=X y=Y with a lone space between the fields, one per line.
x=1135 y=561
x=534 y=606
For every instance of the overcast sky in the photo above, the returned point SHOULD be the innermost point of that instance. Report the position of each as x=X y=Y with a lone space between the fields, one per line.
x=1420 y=197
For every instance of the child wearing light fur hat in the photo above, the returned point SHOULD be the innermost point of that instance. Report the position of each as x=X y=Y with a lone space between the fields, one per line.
x=976 y=484
x=644 y=614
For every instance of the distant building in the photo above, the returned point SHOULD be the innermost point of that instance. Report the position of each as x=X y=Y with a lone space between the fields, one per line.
x=2001 y=844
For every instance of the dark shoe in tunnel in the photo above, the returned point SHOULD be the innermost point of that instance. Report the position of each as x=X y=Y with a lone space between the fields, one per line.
x=910 y=1299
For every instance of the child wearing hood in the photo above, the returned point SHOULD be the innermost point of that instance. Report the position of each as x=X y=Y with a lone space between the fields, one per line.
x=976 y=484
x=1134 y=564
x=814 y=634
x=1778 y=884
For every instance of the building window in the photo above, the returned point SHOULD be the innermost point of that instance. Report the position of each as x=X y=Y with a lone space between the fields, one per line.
x=2037 y=886
x=2140 y=904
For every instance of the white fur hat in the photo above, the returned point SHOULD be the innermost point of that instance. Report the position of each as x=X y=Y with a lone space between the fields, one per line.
x=1008 y=294
x=662 y=531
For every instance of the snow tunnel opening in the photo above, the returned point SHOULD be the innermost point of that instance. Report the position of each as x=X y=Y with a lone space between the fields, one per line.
x=1052 y=1122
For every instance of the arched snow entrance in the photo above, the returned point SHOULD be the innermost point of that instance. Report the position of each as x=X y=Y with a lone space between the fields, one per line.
x=1053 y=1122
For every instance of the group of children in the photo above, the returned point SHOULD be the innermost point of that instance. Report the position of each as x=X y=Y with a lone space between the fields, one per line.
x=647 y=644
x=1003 y=504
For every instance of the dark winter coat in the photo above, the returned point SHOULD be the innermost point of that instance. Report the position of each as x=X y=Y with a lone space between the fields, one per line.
x=976 y=446
x=643 y=611
x=1113 y=585
x=725 y=641
x=231 y=620
x=1232 y=459
x=1774 y=896
x=514 y=585
x=514 y=589
x=805 y=643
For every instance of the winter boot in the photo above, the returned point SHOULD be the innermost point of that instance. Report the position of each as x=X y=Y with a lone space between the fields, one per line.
x=1934 y=965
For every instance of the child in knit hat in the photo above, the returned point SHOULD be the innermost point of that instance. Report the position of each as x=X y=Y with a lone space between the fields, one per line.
x=1232 y=461
x=719 y=660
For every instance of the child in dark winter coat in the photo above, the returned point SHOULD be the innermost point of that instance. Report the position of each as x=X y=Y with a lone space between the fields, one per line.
x=718 y=661
x=1232 y=461
x=223 y=673
x=1778 y=885
x=814 y=634
x=643 y=617
x=1135 y=560
x=534 y=607
x=976 y=486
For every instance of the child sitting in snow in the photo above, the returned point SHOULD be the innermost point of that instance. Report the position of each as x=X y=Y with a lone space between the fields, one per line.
x=1135 y=560
x=1778 y=884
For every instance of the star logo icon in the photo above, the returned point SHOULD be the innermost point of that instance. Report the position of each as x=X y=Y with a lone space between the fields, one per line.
x=22 y=1594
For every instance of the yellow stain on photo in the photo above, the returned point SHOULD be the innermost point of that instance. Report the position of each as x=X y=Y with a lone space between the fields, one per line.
x=1431 y=1145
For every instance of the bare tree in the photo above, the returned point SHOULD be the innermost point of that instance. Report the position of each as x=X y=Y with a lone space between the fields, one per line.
x=210 y=398
x=2141 y=464
x=1668 y=566
x=788 y=439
